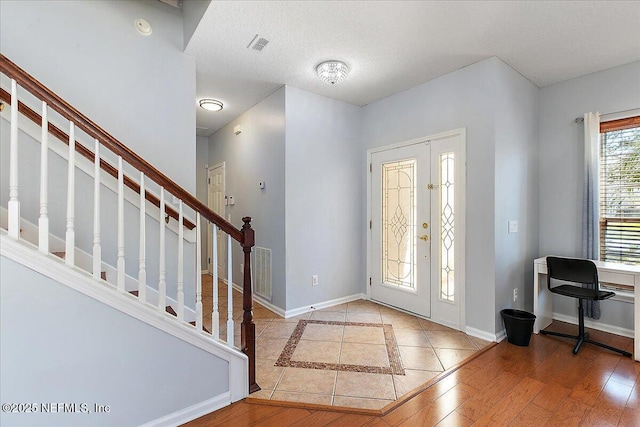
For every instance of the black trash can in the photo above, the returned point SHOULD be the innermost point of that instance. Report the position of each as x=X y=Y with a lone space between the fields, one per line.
x=519 y=325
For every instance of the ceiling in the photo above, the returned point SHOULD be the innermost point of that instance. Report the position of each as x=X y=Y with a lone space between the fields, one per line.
x=391 y=46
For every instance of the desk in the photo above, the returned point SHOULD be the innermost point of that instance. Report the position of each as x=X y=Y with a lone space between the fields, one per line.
x=609 y=272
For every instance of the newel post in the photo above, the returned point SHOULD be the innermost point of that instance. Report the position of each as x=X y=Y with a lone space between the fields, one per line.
x=248 y=328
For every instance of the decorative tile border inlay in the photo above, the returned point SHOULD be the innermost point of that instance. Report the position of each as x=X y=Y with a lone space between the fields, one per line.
x=395 y=364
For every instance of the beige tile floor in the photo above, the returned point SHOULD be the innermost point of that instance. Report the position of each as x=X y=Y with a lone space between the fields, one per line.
x=426 y=349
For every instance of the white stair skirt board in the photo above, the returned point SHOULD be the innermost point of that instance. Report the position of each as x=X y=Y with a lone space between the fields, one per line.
x=28 y=255
x=594 y=324
x=84 y=261
x=192 y=412
x=85 y=165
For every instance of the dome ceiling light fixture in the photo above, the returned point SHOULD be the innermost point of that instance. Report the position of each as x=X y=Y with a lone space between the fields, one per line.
x=332 y=72
x=210 y=104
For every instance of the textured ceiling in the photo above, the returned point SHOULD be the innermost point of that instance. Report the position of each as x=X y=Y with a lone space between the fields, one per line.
x=391 y=46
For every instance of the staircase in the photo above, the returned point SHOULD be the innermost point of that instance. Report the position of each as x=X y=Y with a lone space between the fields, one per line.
x=168 y=297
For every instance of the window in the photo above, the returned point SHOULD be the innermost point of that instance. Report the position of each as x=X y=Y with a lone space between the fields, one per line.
x=620 y=190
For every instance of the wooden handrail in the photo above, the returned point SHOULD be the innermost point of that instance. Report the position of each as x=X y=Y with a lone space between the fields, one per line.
x=88 y=154
x=67 y=111
x=245 y=236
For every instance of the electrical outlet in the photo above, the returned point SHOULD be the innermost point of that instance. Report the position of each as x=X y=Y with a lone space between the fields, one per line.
x=513 y=226
x=314 y=280
x=515 y=294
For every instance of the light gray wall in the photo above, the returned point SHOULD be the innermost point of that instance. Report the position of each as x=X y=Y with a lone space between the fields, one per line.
x=29 y=195
x=257 y=154
x=465 y=98
x=516 y=188
x=324 y=198
x=142 y=375
x=202 y=159
x=561 y=163
x=139 y=89
x=192 y=13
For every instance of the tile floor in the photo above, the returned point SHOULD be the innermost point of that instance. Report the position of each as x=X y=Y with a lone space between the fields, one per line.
x=343 y=355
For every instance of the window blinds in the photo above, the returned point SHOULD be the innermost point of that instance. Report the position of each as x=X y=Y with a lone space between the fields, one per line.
x=620 y=191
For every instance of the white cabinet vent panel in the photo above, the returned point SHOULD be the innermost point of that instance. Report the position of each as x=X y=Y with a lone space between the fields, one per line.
x=262 y=272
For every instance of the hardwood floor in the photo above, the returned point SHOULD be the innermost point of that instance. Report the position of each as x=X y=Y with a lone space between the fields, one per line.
x=543 y=384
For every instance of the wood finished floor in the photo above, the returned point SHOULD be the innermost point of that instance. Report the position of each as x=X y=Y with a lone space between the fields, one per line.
x=540 y=385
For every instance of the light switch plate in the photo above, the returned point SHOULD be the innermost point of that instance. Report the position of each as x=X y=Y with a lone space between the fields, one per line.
x=513 y=226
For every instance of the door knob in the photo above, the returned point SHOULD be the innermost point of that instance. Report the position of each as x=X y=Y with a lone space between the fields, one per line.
x=425 y=237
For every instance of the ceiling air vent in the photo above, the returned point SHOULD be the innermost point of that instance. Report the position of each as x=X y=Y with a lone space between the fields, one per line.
x=259 y=44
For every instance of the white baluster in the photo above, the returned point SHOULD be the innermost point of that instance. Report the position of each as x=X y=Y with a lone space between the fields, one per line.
x=120 y=261
x=230 y=294
x=162 y=283
x=180 y=263
x=142 y=272
x=43 y=221
x=198 y=276
x=71 y=194
x=13 y=206
x=215 y=315
x=97 y=249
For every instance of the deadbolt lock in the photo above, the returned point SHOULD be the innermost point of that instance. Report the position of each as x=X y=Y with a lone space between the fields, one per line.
x=425 y=225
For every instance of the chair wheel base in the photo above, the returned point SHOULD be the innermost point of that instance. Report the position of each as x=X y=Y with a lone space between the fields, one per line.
x=583 y=339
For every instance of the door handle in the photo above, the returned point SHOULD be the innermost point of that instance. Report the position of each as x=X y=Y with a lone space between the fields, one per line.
x=425 y=237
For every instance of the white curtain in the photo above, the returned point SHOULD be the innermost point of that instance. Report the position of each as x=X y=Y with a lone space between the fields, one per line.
x=590 y=208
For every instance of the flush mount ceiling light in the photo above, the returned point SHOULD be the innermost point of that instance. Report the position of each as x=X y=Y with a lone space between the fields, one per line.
x=210 y=104
x=332 y=72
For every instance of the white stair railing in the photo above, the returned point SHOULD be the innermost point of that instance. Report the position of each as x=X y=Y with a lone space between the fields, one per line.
x=180 y=263
x=97 y=249
x=142 y=269
x=70 y=240
x=115 y=178
x=13 y=206
x=215 y=315
x=43 y=220
x=162 y=283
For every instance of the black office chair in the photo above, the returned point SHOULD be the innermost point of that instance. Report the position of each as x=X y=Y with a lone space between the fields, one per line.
x=577 y=271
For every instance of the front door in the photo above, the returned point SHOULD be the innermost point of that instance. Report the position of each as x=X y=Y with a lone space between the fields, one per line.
x=417 y=211
x=400 y=228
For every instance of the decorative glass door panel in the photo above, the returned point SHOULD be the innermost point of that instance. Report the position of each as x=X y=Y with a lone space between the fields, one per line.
x=399 y=224
x=400 y=219
x=447 y=212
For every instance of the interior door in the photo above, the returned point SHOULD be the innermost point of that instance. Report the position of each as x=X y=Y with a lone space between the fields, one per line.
x=216 y=204
x=400 y=228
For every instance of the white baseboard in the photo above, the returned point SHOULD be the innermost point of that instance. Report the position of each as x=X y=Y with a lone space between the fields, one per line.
x=617 y=330
x=325 y=304
x=501 y=335
x=205 y=272
x=262 y=301
x=267 y=304
x=483 y=335
x=192 y=412
x=300 y=310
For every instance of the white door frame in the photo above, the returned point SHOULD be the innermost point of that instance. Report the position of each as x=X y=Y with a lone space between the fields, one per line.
x=209 y=205
x=460 y=280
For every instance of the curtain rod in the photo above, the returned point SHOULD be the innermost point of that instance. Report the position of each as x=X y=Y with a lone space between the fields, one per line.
x=581 y=119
